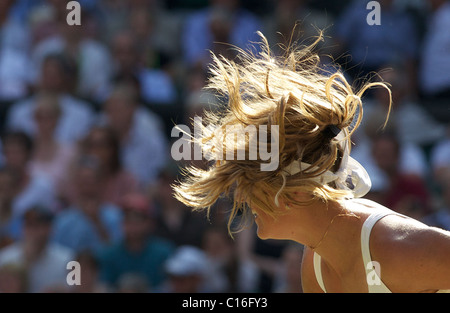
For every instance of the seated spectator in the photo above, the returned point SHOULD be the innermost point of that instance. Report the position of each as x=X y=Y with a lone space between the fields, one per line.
x=115 y=16
x=288 y=273
x=76 y=117
x=14 y=54
x=43 y=20
x=413 y=124
x=89 y=280
x=228 y=272
x=132 y=283
x=44 y=16
x=296 y=20
x=441 y=216
x=260 y=252
x=45 y=262
x=155 y=85
x=50 y=158
x=212 y=28
x=103 y=143
x=94 y=72
x=440 y=160
x=372 y=46
x=157 y=31
x=174 y=221
x=434 y=63
x=187 y=269
x=412 y=157
x=404 y=193
x=13 y=278
x=284 y=271
x=9 y=225
x=88 y=223
x=139 y=252
x=143 y=145
x=200 y=101
x=29 y=190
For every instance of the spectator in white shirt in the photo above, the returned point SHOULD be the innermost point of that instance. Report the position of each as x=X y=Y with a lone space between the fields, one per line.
x=435 y=60
x=45 y=262
x=143 y=144
x=76 y=115
x=14 y=49
x=29 y=190
x=92 y=57
x=50 y=157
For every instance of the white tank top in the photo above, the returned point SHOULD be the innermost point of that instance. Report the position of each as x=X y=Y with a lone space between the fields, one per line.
x=374 y=282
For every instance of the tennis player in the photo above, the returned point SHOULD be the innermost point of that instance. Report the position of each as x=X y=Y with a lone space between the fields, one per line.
x=315 y=195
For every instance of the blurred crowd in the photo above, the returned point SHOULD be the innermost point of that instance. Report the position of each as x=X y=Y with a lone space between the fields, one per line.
x=86 y=113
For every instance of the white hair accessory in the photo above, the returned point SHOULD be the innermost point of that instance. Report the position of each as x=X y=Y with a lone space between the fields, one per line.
x=350 y=176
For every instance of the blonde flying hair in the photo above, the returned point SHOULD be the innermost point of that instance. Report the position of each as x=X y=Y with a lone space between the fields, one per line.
x=293 y=92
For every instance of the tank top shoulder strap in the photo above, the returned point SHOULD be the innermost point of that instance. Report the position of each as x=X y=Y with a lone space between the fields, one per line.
x=375 y=284
x=318 y=270
x=366 y=231
x=367 y=259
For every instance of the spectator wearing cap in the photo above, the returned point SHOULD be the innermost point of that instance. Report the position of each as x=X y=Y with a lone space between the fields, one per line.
x=187 y=269
x=139 y=252
x=45 y=262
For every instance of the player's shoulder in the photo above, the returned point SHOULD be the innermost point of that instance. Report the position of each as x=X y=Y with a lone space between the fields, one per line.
x=391 y=228
x=402 y=246
x=399 y=233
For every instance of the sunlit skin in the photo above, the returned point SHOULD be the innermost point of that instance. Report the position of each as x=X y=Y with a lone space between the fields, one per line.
x=401 y=245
